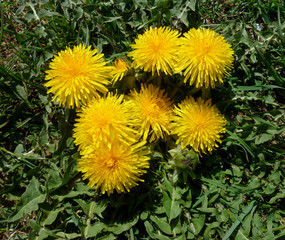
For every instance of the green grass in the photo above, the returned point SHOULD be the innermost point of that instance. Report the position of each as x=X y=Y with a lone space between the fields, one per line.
x=238 y=192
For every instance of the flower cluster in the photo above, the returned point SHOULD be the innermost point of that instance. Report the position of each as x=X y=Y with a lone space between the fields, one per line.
x=113 y=130
x=112 y=155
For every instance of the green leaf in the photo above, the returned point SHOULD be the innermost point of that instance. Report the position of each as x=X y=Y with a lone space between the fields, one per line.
x=208 y=210
x=20 y=92
x=192 y=5
x=171 y=206
x=144 y=215
x=269 y=234
x=167 y=184
x=94 y=229
x=198 y=223
x=149 y=228
x=42 y=232
x=122 y=227
x=54 y=180
x=278 y=79
x=242 y=142
x=68 y=235
x=275 y=178
x=263 y=137
x=270 y=188
x=29 y=201
x=276 y=197
x=162 y=225
x=98 y=207
x=245 y=229
x=107 y=237
x=51 y=216
x=240 y=236
x=43 y=136
x=245 y=211
x=257 y=227
x=209 y=228
x=237 y=171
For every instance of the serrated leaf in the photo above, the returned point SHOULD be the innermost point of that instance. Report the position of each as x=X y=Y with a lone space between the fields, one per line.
x=29 y=201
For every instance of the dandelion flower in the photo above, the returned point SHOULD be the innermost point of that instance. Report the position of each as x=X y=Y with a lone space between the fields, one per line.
x=114 y=166
x=104 y=118
x=156 y=50
x=198 y=124
x=153 y=109
x=205 y=56
x=77 y=75
x=121 y=67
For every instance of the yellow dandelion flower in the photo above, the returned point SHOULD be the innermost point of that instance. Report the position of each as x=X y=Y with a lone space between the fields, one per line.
x=77 y=75
x=198 y=124
x=103 y=118
x=205 y=56
x=153 y=109
x=120 y=69
x=114 y=165
x=156 y=50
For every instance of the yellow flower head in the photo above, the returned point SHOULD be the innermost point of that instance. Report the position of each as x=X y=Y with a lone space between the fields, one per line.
x=121 y=67
x=77 y=75
x=156 y=50
x=205 y=56
x=198 y=124
x=114 y=165
x=103 y=118
x=153 y=109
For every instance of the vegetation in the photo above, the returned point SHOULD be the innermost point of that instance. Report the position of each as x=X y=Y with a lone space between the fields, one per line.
x=237 y=192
